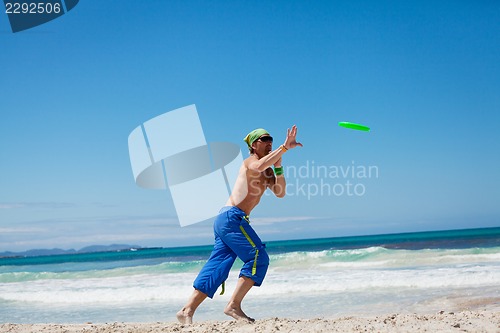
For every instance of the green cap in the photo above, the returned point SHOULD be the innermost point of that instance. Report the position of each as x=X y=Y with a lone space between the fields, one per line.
x=254 y=135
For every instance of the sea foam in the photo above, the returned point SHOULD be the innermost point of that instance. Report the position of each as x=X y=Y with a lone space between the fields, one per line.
x=304 y=272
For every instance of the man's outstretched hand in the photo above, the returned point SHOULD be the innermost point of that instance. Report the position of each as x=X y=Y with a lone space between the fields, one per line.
x=291 y=138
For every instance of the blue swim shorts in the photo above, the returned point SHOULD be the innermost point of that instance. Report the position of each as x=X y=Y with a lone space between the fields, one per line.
x=234 y=237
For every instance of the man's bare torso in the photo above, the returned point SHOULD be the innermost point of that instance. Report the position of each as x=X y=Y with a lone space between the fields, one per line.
x=249 y=187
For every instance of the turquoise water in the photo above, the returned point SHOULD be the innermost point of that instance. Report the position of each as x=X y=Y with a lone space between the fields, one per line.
x=346 y=275
x=447 y=239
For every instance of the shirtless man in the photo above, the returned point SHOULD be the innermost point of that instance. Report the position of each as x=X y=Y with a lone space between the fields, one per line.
x=234 y=237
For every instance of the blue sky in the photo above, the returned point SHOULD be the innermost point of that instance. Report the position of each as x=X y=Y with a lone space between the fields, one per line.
x=424 y=75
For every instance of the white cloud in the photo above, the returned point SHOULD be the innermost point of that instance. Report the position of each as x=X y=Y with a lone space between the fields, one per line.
x=20 y=230
x=28 y=205
x=283 y=219
x=10 y=205
x=78 y=232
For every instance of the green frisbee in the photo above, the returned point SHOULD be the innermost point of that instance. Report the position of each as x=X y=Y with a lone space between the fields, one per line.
x=354 y=126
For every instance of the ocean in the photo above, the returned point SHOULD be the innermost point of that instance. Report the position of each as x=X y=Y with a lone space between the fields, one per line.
x=420 y=272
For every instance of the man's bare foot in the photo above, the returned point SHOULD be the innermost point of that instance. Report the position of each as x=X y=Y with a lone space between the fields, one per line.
x=183 y=317
x=235 y=311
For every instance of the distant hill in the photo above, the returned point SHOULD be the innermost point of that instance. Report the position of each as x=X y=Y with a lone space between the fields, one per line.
x=56 y=251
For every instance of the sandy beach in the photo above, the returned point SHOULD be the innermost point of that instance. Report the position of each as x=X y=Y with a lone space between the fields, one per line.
x=371 y=289
x=463 y=321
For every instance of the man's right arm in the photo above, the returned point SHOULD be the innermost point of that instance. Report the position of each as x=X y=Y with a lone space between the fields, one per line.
x=267 y=161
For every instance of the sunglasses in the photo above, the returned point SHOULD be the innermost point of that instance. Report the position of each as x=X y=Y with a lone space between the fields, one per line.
x=266 y=139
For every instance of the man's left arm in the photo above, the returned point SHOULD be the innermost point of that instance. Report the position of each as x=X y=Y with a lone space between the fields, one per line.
x=278 y=183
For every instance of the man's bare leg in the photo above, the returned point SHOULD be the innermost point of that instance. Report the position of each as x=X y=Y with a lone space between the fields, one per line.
x=185 y=315
x=233 y=308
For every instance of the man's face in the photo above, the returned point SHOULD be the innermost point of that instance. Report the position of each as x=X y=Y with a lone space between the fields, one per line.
x=263 y=145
